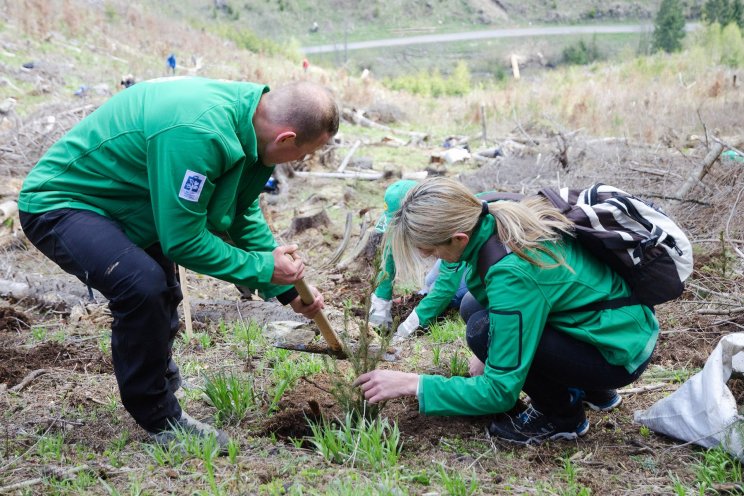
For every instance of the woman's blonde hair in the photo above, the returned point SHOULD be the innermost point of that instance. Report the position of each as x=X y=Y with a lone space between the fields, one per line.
x=434 y=210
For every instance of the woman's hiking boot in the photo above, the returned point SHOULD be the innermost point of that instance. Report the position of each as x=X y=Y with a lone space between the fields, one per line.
x=533 y=427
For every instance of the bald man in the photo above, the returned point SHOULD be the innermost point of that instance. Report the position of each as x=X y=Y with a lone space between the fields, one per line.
x=169 y=172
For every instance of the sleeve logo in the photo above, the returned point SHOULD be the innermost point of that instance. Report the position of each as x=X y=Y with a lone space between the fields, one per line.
x=192 y=185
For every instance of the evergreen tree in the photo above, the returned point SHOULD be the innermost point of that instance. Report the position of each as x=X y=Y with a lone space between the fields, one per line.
x=724 y=12
x=669 y=27
x=737 y=13
x=716 y=11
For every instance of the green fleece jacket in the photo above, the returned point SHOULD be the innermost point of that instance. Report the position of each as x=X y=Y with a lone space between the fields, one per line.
x=522 y=299
x=172 y=161
x=436 y=300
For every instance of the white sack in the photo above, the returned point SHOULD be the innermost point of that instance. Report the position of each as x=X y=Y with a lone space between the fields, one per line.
x=703 y=410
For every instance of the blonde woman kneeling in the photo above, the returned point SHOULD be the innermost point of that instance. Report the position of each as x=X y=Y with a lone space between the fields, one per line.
x=524 y=323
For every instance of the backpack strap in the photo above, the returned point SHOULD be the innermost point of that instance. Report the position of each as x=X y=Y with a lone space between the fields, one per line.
x=489 y=254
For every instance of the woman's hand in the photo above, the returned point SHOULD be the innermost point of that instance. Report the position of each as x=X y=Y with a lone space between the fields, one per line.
x=381 y=385
x=476 y=367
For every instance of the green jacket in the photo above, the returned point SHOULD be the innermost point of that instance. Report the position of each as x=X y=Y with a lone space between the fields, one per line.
x=436 y=300
x=522 y=299
x=173 y=161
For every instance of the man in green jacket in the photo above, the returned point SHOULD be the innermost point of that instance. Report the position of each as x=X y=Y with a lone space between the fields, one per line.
x=444 y=285
x=169 y=172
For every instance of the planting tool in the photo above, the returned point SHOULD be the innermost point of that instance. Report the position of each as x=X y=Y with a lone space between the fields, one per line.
x=306 y=295
x=334 y=348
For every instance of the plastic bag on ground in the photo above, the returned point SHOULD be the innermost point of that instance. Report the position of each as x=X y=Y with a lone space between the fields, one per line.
x=703 y=410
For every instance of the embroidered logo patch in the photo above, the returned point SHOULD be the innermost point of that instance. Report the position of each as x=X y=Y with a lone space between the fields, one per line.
x=192 y=185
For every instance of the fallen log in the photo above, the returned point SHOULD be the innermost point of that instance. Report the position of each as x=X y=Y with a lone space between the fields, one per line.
x=348 y=156
x=38 y=294
x=700 y=171
x=344 y=241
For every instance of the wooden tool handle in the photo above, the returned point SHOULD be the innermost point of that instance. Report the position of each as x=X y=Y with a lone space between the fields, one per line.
x=306 y=295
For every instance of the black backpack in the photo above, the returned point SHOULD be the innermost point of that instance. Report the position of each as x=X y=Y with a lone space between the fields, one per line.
x=633 y=236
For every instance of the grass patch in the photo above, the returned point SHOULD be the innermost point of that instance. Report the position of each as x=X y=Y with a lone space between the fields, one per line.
x=232 y=396
x=358 y=442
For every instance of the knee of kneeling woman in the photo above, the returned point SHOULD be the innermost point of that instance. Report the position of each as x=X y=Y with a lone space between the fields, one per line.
x=477 y=334
x=468 y=306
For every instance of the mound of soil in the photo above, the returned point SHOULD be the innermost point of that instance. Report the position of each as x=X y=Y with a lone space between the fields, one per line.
x=16 y=363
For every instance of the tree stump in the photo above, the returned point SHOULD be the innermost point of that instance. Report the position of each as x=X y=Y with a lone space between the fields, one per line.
x=313 y=216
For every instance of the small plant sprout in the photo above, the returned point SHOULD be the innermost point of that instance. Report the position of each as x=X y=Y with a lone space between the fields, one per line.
x=232 y=396
x=645 y=432
x=570 y=474
x=49 y=446
x=38 y=333
x=458 y=364
x=456 y=483
x=250 y=338
x=436 y=355
x=363 y=358
x=104 y=342
x=232 y=451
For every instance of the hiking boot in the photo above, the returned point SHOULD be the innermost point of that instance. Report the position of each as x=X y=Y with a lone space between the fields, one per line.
x=173 y=376
x=533 y=427
x=190 y=426
x=600 y=400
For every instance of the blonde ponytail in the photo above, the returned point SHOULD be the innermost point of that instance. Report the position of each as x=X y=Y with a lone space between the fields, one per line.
x=434 y=210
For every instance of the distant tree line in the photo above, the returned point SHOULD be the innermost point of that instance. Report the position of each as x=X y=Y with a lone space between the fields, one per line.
x=669 y=26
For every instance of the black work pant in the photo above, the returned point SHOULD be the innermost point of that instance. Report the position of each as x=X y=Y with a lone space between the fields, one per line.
x=143 y=294
x=561 y=362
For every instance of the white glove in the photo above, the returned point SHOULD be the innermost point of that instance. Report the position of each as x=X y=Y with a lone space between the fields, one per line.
x=406 y=328
x=379 y=311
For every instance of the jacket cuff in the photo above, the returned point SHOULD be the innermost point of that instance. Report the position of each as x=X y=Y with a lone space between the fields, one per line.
x=287 y=296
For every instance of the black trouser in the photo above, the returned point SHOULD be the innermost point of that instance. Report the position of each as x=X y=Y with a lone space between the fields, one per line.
x=560 y=362
x=143 y=295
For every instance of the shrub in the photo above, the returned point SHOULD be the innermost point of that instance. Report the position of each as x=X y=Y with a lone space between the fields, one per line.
x=669 y=27
x=581 y=53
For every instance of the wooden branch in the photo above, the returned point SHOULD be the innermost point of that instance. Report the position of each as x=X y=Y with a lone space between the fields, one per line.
x=27 y=380
x=728 y=221
x=367 y=176
x=708 y=311
x=348 y=156
x=186 y=303
x=344 y=242
x=355 y=117
x=643 y=389
x=730 y=147
x=57 y=474
x=700 y=172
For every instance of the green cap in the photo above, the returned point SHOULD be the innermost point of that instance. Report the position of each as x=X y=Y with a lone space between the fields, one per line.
x=394 y=195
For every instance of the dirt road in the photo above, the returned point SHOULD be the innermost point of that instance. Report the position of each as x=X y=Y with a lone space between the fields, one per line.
x=492 y=33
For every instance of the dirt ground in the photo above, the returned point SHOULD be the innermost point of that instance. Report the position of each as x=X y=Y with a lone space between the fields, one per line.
x=614 y=458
